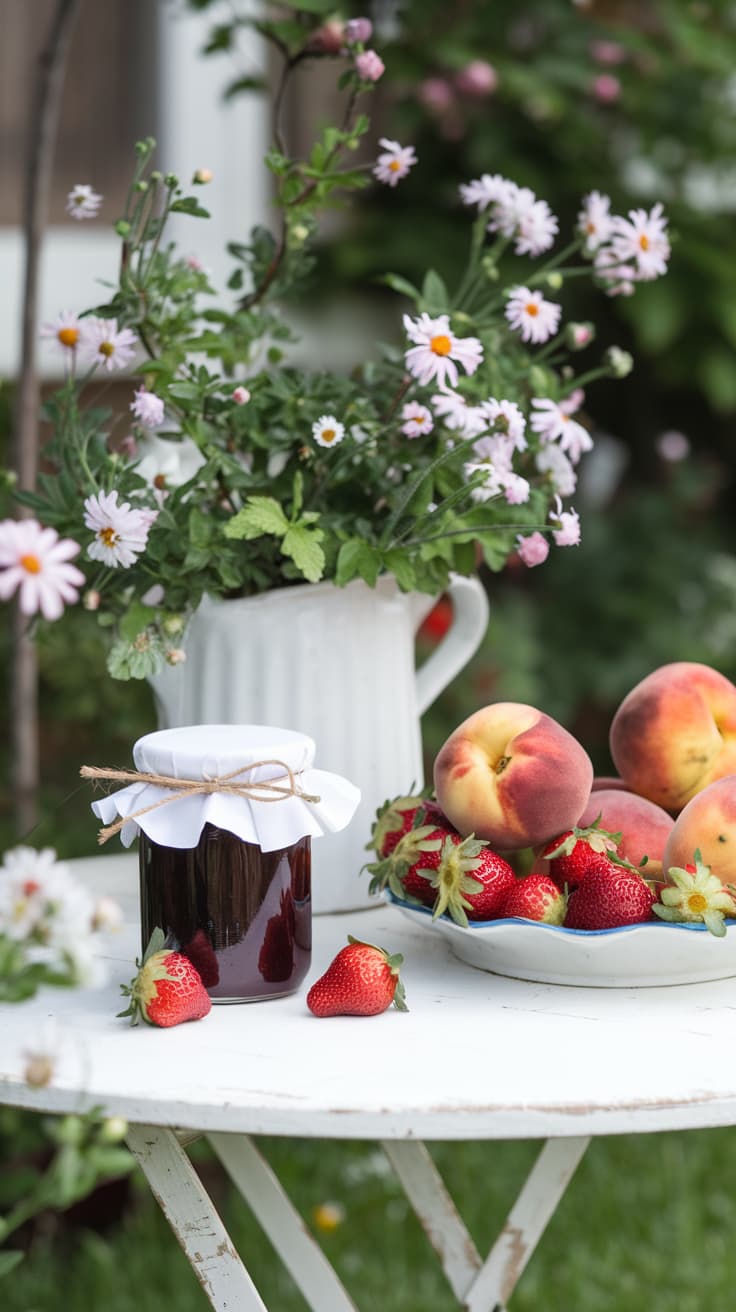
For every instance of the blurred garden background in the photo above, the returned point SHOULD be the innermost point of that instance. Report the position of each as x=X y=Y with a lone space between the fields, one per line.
x=635 y=98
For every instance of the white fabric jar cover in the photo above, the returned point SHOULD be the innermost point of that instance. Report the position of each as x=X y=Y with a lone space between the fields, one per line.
x=211 y=751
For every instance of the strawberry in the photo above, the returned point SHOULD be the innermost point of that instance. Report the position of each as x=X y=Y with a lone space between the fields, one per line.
x=570 y=853
x=362 y=980
x=468 y=879
x=395 y=818
x=167 y=989
x=417 y=849
x=608 y=895
x=535 y=897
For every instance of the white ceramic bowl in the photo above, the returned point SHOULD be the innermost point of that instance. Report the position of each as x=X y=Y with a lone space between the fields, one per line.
x=633 y=956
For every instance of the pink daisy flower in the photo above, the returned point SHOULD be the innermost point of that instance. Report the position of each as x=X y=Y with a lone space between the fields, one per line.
x=458 y=414
x=105 y=344
x=437 y=349
x=148 y=408
x=552 y=421
x=369 y=66
x=394 y=162
x=537 y=229
x=533 y=549
x=34 y=560
x=417 y=419
x=530 y=315
x=120 y=532
x=642 y=237
x=506 y=417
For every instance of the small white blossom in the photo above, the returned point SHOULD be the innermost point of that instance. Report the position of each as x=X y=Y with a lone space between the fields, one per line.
x=166 y=464
x=458 y=414
x=552 y=421
x=394 y=162
x=506 y=417
x=492 y=485
x=120 y=532
x=34 y=561
x=417 y=419
x=536 y=230
x=567 y=533
x=552 y=461
x=595 y=221
x=486 y=190
x=66 y=331
x=642 y=237
x=328 y=431
x=530 y=315
x=148 y=408
x=103 y=343
x=82 y=202
x=436 y=350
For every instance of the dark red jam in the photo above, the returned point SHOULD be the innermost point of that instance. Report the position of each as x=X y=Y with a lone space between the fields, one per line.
x=243 y=916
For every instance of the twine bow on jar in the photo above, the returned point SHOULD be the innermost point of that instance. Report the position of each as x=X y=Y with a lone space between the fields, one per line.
x=258 y=790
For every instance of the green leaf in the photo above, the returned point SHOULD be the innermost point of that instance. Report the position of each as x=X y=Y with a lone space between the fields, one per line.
x=258 y=516
x=189 y=205
x=9 y=1260
x=136 y=620
x=301 y=544
x=434 y=294
x=399 y=564
x=357 y=559
x=400 y=285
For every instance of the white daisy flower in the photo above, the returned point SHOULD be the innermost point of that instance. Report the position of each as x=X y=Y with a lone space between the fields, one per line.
x=103 y=343
x=436 y=350
x=498 y=450
x=516 y=489
x=642 y=237
x=417 y=419
x=458 y=414
x=595 y=221
x=492 y=485
x=506 y=417
x=120 y=532
x=567 y=533
x=552 y=421
x=553 y=461
x=34 y=560
x=530 y=315
x=165 y=464
x=33 y=885
x=82 y=202
x=486 y=190
x=148 y=408
x=66 y=330
x=513 y=205
x=537 y=229
x=328 y=431
x=394 y=162
x=619 y=279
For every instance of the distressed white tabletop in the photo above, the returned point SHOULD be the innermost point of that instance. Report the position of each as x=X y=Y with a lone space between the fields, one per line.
x=477 y=1056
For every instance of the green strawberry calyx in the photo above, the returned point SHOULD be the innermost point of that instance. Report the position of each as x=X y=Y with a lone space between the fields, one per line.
x=453 y=878
x=597 y=838
x=394 y=961
x=696 y=895
x=150 y=970
x=391 y=870
x=390 y=816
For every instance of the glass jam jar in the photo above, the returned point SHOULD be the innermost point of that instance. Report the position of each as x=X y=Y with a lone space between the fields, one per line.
x=243 y=916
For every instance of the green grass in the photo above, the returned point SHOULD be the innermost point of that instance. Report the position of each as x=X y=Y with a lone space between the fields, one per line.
x=647 y=1225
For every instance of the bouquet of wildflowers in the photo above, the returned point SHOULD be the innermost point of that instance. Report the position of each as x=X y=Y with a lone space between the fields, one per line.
x=236 y=471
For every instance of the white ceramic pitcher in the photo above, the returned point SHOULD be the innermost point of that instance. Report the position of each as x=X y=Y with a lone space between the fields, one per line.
x=337 y=664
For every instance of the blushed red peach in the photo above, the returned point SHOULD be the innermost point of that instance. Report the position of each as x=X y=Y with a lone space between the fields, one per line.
x=644 y=827
x=512 y=775
x=675 y=733
x=608 y=781
x=707 y=823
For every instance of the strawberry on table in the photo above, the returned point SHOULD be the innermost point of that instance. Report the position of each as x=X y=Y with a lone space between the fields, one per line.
x=167 y=989
x=570 y=853
x=609 y=895
x=535 y=897
x=362 y=980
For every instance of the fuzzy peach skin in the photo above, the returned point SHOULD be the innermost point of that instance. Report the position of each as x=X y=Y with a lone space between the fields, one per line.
x=644 y=827
x=675 y=733
x=608 y=781
x=707 y=823
x=512 y=775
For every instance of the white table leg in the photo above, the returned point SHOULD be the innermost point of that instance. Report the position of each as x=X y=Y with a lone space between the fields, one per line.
x=527 y=1220
x=274 y=1211
x=192 y=1216
x=426 y=1191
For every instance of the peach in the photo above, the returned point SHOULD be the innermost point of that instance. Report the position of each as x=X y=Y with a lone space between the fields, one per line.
x=675 y=733
x=512 y=775
x=708 y=822
x=608 y=781
x=644 y=827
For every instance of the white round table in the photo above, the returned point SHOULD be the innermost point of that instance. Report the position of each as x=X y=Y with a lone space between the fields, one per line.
x=477 y=1056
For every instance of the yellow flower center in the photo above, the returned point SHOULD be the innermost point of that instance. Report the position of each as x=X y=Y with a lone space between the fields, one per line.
x=441 y=345
x=697 y=903
x=394 y=165
x=68 y=337
x=590 y=227
x=30 y=563
x=328 y=434
x=532 y=308
x=644 y=242
x=106 y=348
x=108 y=537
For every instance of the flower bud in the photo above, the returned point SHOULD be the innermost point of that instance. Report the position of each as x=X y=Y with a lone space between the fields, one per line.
x=240 y=395
x=579 y=335
x=554 y=281
x=39 y=1069
x=171 y=180
x=620 y=363
x=330 y=37
x=113 y=1129
x=91 y=600
x=370 y=67
x=540 y=380
x=478 y=79
x=358 y=31
x=141 y=185
x=299 y=233
x=489 y=267
x=122 y=228
x=202 y=177
x=176 y=656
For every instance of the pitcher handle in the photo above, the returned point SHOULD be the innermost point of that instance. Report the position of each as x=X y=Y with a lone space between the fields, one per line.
x=462 y=640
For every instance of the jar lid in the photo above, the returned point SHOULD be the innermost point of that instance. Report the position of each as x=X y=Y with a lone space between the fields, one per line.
x=253 y=753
